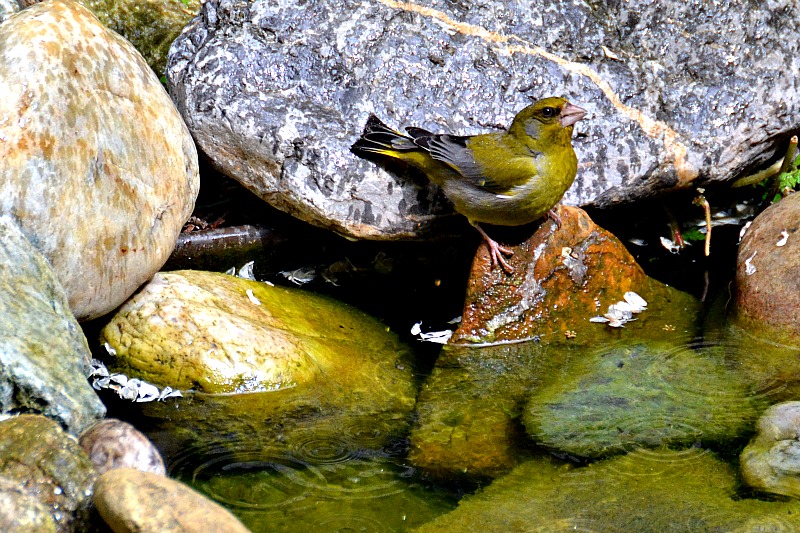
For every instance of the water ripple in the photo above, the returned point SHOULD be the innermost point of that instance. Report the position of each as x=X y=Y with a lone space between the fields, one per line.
x=238 y=476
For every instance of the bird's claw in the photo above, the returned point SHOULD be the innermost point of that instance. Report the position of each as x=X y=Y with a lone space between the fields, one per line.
x=496 y=253
x=553 y=215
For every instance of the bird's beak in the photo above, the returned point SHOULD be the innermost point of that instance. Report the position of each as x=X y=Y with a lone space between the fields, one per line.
x=570 y=114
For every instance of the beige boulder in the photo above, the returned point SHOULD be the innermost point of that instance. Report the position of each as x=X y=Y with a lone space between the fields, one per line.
x=98 y=168
x=130 y=500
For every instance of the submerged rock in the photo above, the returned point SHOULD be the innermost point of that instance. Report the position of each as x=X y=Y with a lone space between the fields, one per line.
x=467 y=414
x=130 y=500
x=99 y=170
x=563 y=278
x=622 y=397
x=767 y=293
x=48 y=465
x=44 y=357
x=275 y=94
x=771 y=462
x=646 y=492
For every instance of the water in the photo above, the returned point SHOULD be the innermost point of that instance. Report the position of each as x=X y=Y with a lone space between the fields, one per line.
x=640 y=435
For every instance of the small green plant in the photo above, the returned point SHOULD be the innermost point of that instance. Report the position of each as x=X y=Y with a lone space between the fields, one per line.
x=788 y=181
x=693 y=234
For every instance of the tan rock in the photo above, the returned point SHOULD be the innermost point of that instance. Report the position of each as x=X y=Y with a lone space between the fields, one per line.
x=116 y=444
x=133 y=501
x=98 y=168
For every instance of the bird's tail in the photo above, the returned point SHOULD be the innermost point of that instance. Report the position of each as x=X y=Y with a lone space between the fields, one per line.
x=378 y=138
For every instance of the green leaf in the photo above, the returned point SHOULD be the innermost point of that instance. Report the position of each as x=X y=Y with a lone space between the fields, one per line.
x=693 y=234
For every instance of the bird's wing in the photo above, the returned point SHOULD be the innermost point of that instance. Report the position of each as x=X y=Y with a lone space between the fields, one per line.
x=453 y=151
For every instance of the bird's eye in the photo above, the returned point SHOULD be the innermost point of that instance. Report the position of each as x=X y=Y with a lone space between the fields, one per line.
x=549 y=112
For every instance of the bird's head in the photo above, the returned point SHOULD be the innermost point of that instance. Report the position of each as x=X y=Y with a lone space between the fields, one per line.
x=548 y=120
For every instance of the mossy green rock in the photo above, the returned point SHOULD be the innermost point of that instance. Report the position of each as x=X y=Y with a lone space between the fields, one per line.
x=217 y=333
x=649 y=394
x=303 y=367
x=46 y=465
x=150 y=25
x=647 y=491
x=44 y=357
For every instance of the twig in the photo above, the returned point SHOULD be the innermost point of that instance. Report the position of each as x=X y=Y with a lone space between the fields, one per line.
x=775 y=169
x=701 y=201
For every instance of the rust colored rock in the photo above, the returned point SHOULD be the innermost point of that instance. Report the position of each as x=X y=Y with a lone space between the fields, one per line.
x=767 y=292
x=563 y=277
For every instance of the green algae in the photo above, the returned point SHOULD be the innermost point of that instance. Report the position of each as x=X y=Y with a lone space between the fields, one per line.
x=220 y=334
x=150 y=25
x=623 y=397
x=646 y=491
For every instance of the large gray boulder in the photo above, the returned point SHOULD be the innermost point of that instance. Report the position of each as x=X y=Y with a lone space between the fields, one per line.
x=679 y=93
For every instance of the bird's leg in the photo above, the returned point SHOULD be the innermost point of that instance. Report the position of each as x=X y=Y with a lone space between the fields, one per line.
x=554 y=216
x=496 y=251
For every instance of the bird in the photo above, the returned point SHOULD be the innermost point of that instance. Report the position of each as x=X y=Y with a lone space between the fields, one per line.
x=504 y=178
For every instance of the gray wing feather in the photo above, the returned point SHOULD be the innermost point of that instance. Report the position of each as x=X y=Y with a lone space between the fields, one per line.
x=452 y=150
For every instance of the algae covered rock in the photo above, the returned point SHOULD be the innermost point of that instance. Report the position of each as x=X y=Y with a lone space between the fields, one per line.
x=150 y=25
x=47 y=464
x=644 y=395
x=300 y=366
x=646 y=492
x=218 y=333
x=44 y=357
x=467 y=414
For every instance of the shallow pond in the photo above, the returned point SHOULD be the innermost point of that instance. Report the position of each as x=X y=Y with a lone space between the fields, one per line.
x=632 y=436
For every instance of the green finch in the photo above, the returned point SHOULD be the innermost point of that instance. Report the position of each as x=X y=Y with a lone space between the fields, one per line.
x=507 y=178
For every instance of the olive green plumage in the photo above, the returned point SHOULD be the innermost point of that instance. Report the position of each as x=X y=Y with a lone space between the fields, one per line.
x=505 y=178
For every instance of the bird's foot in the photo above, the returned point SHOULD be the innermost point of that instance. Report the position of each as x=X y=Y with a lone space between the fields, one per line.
x=554 y=216
x=496 y=252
